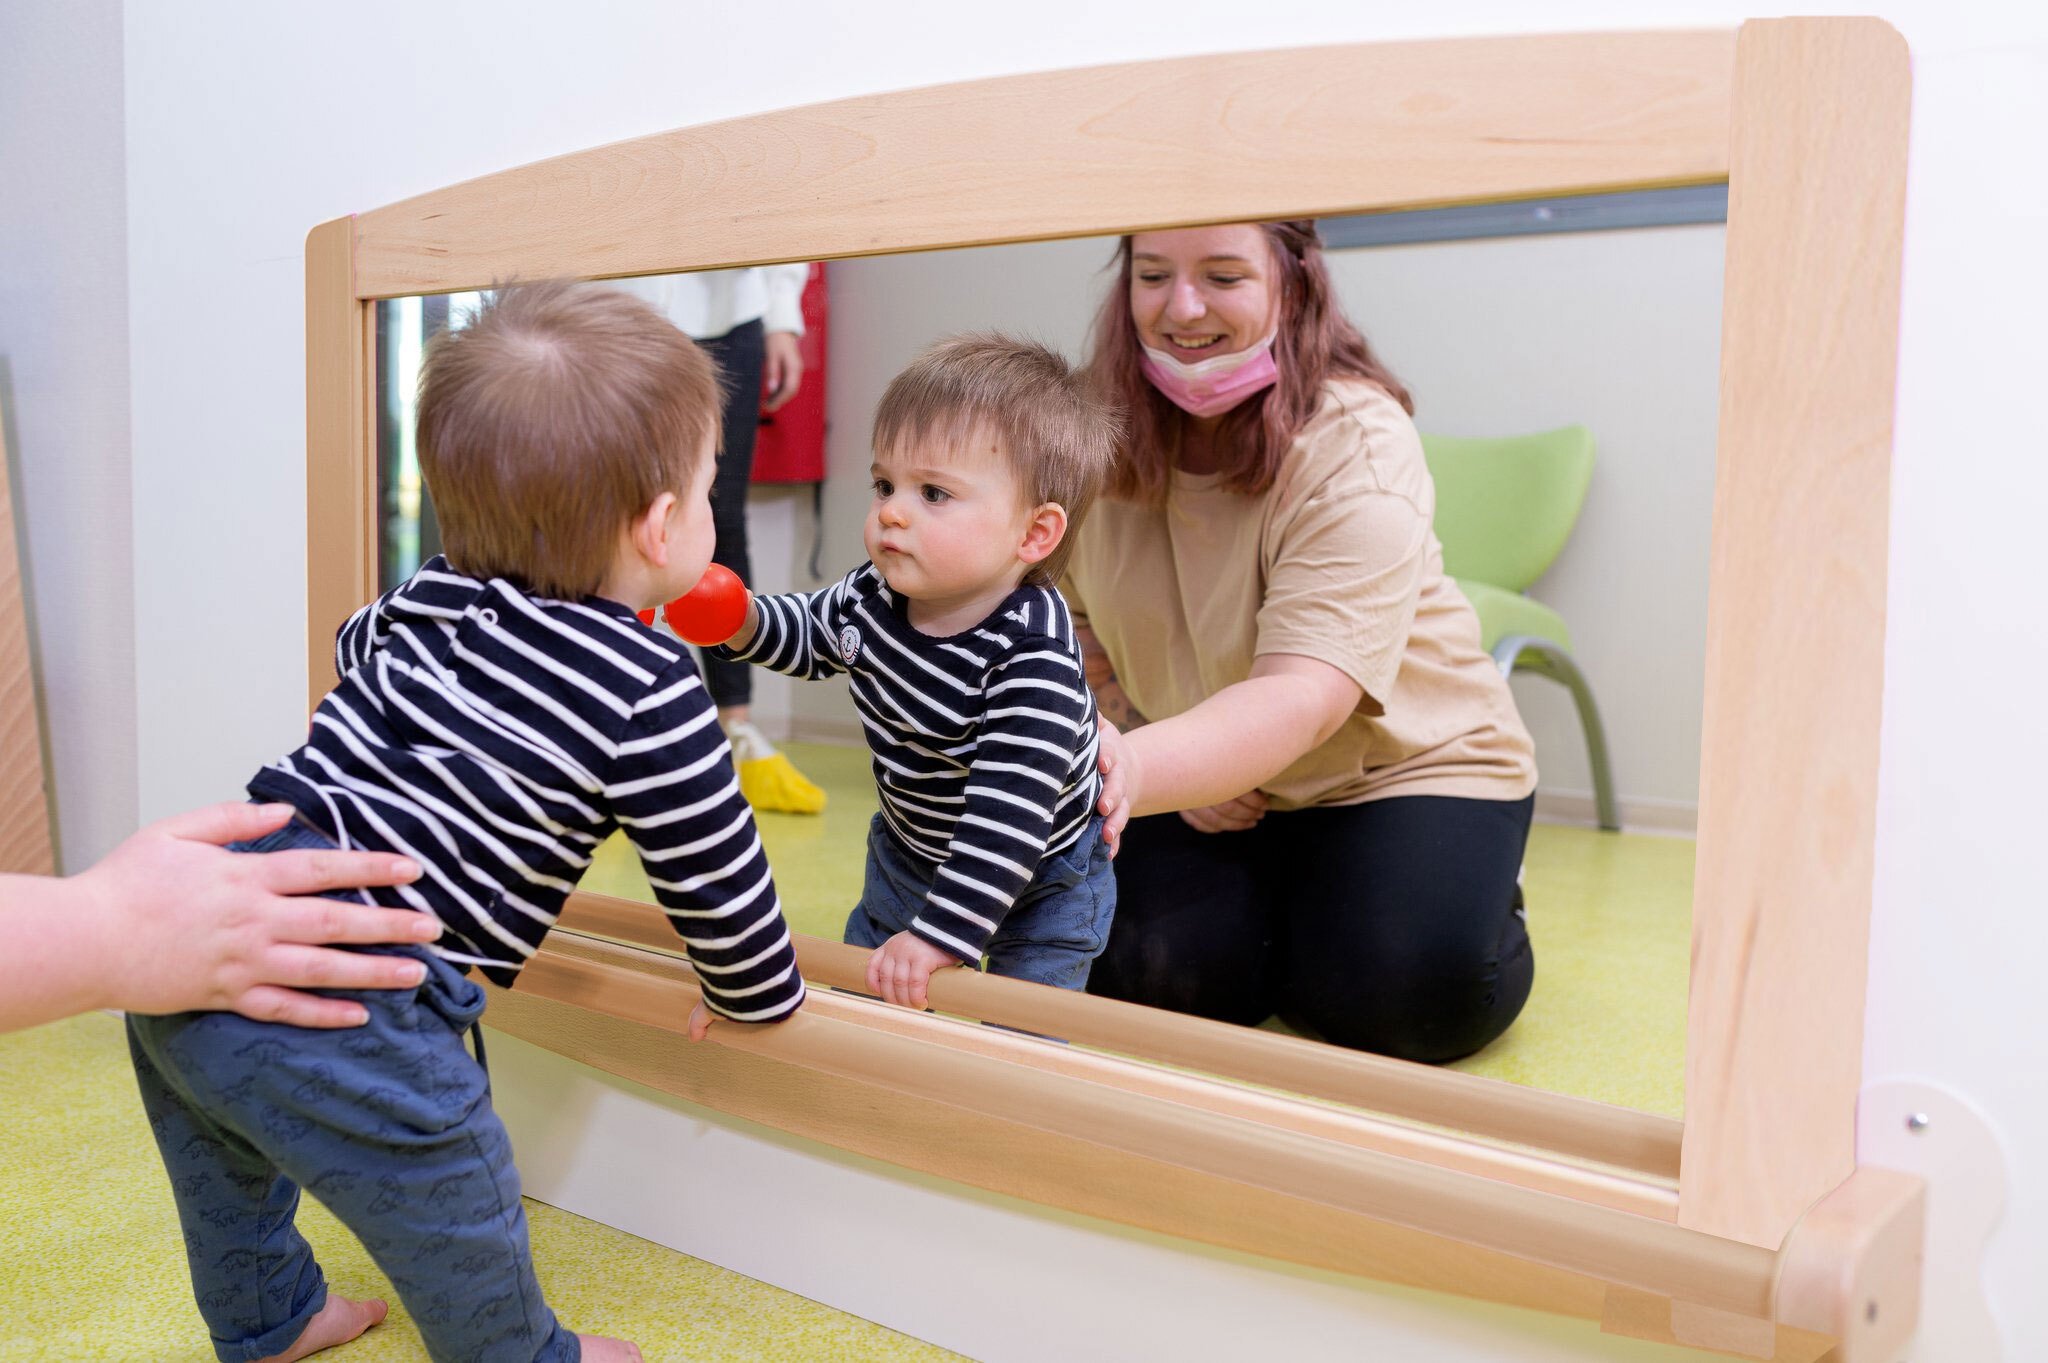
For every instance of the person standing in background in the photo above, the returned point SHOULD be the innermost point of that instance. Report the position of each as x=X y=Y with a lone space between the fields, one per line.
x=749 y=321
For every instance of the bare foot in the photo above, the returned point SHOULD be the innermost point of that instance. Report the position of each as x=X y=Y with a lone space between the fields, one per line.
x=598 y=1349
x=338 y=1322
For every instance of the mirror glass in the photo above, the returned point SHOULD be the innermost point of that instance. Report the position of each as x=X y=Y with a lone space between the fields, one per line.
x=1534 y=349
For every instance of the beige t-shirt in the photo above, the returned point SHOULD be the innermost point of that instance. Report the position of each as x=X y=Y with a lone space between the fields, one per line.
x=1337 y=561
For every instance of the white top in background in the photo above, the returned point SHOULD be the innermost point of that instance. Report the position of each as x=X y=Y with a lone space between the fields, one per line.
x=708 y=303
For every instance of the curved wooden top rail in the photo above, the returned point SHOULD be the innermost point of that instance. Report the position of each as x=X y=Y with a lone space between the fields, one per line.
x=1149 y=144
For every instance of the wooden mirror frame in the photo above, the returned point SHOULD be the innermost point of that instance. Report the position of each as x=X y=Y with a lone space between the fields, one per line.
x=1747 y=1226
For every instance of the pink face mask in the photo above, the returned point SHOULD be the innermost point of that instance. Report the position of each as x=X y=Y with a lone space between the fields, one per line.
x=1212 y=387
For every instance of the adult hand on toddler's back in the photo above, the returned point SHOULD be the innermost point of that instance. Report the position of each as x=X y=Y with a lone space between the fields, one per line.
x=1112 y=756
x=901 y=967
x=186 y=926
x=1232 y=816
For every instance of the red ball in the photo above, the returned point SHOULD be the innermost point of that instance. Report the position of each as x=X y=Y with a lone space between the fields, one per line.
x=646 y=617
x=712 y=611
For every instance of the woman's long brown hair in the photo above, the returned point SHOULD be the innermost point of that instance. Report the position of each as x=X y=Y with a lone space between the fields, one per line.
x=1315 y=343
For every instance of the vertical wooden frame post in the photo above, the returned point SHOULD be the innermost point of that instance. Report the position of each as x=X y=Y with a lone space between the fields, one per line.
x=25 y=846
x=1795 y=622
x=341 y=473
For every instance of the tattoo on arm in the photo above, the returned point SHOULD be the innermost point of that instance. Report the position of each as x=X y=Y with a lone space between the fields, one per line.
x=1117 y=707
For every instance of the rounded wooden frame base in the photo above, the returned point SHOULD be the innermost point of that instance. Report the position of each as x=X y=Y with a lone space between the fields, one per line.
x=1746 y=1228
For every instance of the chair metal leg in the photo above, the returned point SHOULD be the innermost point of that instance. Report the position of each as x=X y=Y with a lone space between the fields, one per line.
x=1527 y=653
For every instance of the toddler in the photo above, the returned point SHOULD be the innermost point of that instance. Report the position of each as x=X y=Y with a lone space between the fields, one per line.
x=497 y=716
x=965 y=671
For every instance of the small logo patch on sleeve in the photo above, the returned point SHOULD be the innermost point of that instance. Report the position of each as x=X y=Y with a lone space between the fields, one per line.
x=849 y=645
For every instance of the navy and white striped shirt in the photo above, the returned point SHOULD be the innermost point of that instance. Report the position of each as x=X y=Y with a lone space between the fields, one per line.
x=497 y=738
x=983 y=742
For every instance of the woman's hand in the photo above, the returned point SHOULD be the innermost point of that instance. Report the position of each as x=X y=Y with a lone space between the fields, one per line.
x=1240 y=738
x=206 y=928
x=169 y=922
x=782 y=367
x=1232 y=816
x=1112 y=757
x=901 y=968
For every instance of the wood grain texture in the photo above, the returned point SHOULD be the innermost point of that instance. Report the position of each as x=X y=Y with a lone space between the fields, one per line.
x=341 y=507
x=1296 y=133
x=25 y=846
x=1636 y=1143
x=1519 y=1165
x=1017 y=1082
x=1795 y=623
x=1852 y=1266
x=1031 y=1164
x=1645 y=1315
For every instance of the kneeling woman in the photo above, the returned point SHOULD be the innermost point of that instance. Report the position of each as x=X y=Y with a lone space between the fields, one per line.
x=1337 y=783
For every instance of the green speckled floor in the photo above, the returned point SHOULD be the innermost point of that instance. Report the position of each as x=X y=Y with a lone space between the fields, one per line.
x=92 y=1269
x=1611 y=916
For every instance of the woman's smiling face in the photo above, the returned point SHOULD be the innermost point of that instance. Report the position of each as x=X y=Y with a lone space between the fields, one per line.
x=1200 y=292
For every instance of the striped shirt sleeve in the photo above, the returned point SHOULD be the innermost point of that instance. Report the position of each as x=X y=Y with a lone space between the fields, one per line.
x=359 y=636
x=673 y=791
x=798 y=633
x=1037 y=704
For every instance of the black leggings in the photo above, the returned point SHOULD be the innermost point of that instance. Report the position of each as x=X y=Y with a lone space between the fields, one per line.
x=1392 y=926
x=739 y=354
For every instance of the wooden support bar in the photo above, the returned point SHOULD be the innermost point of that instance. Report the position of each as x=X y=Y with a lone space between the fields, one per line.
x=1115 y=1103
x=1847 y=1278
x=1563 y=1127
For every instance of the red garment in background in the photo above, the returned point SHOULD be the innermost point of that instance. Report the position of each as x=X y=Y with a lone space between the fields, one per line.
x=790 y=446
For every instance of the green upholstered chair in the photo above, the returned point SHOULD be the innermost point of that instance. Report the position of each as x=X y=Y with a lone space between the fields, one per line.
x=1504 y=509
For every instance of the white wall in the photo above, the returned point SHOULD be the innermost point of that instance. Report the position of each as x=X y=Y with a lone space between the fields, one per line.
x=248 y=123
x=1619 y=331
x=64 y=400
x=1958 y=917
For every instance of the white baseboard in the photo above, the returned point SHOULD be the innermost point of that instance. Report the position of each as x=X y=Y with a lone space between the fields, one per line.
x=984 y=1275
x=1669 y=818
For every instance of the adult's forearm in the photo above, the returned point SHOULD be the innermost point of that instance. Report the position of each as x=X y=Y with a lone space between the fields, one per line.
x=49 y=966
x=1240 y=738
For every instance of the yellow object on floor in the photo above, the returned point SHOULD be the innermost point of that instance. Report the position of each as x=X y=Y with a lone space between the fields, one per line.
x=92 y=1267
x=772 y=784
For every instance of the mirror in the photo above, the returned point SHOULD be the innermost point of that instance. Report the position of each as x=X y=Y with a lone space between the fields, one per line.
x=1496 y=335
x=1795 y=628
